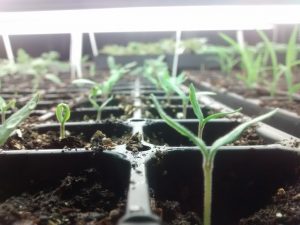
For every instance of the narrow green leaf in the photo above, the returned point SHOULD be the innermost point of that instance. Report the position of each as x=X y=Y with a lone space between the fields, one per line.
x=14 y=120
x=295 y=88
x=53 y=78
x=195 y=104
x=219 y=115
x=179 y=128
x=2 y=104
x=93 y=101
x=236 y=132
x=82 y=82
x=292 y=51
x=106 y=102
x=271 y=51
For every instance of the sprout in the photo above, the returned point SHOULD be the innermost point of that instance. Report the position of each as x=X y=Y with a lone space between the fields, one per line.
x=208 y=152
x=285 y=69
x=93 y=100
x=251 y=62
x=198 y=112
x=63 y=114
x=38 y=68
x=14 y=120
x=5 y=106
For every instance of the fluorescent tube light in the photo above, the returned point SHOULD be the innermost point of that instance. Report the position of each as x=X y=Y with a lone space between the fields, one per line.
x=185 y=18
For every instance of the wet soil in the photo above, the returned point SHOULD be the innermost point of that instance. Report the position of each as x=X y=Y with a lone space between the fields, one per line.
x=75 y=200
x=284 y=210
x=248 y=137
x=293 y=106
x=232 y=84
x=31 y=139
x=172 y=214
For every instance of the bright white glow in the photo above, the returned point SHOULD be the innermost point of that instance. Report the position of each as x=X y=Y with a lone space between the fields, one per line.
x=185 y=18
x=174 y=18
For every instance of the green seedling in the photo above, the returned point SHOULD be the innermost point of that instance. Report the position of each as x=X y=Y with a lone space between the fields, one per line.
x=38 y=68
x=93 y=100
x=15 y=119
x=164 y=46
x=199 y=114
x=251 y=62
x=208 y=152
x=285 y=69
x=7 y=68
x=290 y=62
x=63 y=114
x=170 y=84
x=5 y=106
x=151 y=69
x=274 y=62
x=227 y=59
x=96 y=90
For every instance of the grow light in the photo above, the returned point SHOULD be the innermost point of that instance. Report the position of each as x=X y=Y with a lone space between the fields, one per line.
x=183 y=18
x=141 y=19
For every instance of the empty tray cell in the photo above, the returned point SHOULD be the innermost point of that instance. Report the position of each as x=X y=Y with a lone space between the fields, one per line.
x=244 y=181
x=160 y=133
x=74 y=188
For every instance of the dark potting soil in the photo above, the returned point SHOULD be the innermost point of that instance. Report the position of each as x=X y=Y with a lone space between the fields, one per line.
x=77 y=199
x=232 y=84
x=30 y=139
x=172 y=214
x=134 y=143
x=293 y=106
x=284 y=210
x=248 y=137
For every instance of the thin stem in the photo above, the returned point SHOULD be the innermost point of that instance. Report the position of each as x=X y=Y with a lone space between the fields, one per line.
x=208 y=177
x=98 y=118
x=2 y=117
x=62 y=131
x=200 y=131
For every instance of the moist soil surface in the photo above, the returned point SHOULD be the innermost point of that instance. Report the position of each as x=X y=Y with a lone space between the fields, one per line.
x=249 y=137
x=75 y=200
x=232 y=84
x=31 y=139
x=284 y=209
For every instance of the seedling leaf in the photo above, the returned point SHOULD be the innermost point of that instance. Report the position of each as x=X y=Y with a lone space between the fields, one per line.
x=14 y=120
x=195 y=104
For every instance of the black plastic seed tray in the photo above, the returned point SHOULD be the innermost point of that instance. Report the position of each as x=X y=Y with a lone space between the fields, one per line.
x=164 y=167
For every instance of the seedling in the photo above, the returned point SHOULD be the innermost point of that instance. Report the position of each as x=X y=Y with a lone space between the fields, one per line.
x=39 y=68
x=198 y=112
x=93 y=100
x=151 y=69
x=63 y=114
x=208 y=153
x=251 y=62
x=164 y=46
x=6 y=68
x=14 y=120
x=170 y=84
x=226 y=58
x=5 y=106
x=283 y=69
x=96 y=90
